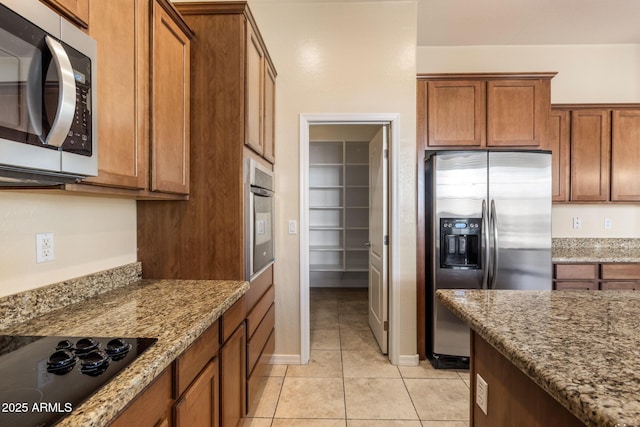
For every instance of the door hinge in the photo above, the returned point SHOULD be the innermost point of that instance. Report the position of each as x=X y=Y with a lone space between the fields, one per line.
x=386 y=153
x=385 y=240
x=385 y=325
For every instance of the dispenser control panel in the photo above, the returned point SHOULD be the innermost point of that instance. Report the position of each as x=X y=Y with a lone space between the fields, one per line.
x=460 y=243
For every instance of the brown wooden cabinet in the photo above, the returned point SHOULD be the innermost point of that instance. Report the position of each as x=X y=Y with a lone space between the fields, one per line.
x=590 y=150
x=77 y=11
x=269 y=128
x=199 y=406
x=594 y=276
x=143 y=114
x=625 y=156
x=152 y=407
x=233 y=366
x=484 y=110
x=559 y=144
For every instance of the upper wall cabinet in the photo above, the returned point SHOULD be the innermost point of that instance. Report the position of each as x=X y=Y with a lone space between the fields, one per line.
x=596 y=150
x=77 y=11
x=143 y=100
x=483 y=110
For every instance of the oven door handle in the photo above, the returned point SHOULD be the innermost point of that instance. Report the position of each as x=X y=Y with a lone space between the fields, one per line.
x=67 y=97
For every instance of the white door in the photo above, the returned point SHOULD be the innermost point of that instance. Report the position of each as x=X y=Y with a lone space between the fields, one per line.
x=378 y=238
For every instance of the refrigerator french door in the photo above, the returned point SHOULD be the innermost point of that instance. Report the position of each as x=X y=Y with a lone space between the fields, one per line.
x=488 y=227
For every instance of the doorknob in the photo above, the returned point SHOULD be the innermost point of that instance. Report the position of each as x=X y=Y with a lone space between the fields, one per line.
x=368 y=244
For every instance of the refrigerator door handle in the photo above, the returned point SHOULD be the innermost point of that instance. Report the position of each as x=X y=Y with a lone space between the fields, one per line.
x=485 y=246
x=493 y=223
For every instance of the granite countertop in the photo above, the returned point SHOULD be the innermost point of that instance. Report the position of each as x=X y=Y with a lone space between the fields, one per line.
x=583 y=348
x=570 y=250
x=175 y=312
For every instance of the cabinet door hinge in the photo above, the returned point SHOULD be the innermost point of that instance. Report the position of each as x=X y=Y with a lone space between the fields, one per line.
x=386 y=153
x=385 y=325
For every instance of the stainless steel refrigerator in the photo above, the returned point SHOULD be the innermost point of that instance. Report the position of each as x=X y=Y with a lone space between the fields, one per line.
x=488 y=226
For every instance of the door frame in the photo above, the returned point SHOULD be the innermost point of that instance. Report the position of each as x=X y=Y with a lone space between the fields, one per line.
x=393 y=121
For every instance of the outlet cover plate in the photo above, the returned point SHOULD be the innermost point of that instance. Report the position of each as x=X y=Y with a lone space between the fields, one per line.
x=44 y=247
x=482 y=393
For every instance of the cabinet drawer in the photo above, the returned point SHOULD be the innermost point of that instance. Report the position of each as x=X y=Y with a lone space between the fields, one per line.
x=576 y=271
x=576 y=285
x=258 y=287
x=258 y=312
x=195 y=358
x=261 y=370
x=151 y=406
x=626 y=286
x=621 y=271
x=232 y=318
x=257 y=342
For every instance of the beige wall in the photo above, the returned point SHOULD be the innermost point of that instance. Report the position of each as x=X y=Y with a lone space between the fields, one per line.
x=90 y=235
x=586 y=74
x=339 y=57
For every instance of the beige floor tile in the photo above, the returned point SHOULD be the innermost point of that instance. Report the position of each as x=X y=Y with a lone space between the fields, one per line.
x=269 y=393
x=440 y=399
x=281 y=422
x=311 y=398
x=367 y=364
x=378 y=398
x=325 y=339
x=323 y=319
x=354 y=321
x=426 y=370
x=322 y=364
x=277 y=371
x=330 y=304
x=352 y=306
x=358 y=339
x=445 y=424
x=256 y=422
x=464 y=374
x=383 y=423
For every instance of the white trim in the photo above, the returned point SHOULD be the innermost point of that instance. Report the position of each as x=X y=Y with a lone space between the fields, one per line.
x=285 y=359
x=393 y=119
x=409 y=360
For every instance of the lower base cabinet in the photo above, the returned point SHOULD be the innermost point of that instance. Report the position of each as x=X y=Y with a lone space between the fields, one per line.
x=595 y=276
x=199 y=406
x=232 y=378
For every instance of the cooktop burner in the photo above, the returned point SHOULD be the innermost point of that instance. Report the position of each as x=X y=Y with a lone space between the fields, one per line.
x=43 y=379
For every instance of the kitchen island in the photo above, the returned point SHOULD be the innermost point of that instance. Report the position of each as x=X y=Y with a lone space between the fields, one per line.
x=176 y=312
x=577 y=353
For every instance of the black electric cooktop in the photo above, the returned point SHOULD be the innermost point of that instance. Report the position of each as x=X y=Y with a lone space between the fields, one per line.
x=43 y=379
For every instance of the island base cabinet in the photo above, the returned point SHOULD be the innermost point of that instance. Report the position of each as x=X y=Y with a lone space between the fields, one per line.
x=513 y=398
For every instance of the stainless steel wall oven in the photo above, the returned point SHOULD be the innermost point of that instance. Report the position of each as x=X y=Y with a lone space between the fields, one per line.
x=259 y=186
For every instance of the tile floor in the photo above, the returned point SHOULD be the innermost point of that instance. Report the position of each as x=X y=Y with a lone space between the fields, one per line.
x=350 y=383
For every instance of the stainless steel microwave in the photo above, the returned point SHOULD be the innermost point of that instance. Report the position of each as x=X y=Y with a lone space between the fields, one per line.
x=48 y=117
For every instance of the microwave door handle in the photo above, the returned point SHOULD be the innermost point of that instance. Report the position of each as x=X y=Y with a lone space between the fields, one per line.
x=67 y=98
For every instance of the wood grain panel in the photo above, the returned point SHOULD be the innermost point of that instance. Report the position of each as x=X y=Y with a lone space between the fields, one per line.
x=629 y=271
x=590 y=152
x=233 y=378
x=255 y=316
x=456 y=113
x=200 y=404
x=620 y=286
x=261 y=370
x=259 y=285
x=254 y=103
x=269 y=114
x=625 y=155
x=513 y=398
x=575 y=285
x=77 y=11
x=559 y=144
x=259 y=339
x=575 y=271
x=151 y=406
x=170 y=89
x=232 y=318
x=517 y=113
x=196 y=357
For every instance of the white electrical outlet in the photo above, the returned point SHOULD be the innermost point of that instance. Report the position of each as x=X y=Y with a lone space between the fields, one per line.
x=482 y=393
x=608 y=223
x=577 y=222
x=44 y=247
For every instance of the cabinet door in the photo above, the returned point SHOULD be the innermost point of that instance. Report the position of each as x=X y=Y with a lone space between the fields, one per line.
x=590 y=148
x=625 y=156
x=169 y=104
x=456 y=113
x=559 y=140
x=77 y=11
x=123 y=75
x=517 y=112
x=152 y=407
x=254 y=92
x=269 y=114
x=233 y=377
x=199 y=406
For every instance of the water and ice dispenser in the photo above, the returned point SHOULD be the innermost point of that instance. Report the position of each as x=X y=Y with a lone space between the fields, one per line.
x=460 y=243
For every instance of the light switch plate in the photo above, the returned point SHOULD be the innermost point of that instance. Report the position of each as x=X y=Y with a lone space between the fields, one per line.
x=293 y=226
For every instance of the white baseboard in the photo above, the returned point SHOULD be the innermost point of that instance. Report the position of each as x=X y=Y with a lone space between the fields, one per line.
x=409 y=360
x=285 y=359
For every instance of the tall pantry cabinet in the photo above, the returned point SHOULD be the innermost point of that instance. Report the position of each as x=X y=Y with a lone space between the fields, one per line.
x=232 y=117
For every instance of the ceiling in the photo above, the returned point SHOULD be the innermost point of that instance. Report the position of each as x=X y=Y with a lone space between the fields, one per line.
x=507 y=22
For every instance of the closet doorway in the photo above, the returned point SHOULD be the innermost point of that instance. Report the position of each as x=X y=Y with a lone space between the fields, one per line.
x=345 y=221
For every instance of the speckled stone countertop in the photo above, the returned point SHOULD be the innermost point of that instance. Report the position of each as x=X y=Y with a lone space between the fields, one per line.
x=583 y=348
x=595 y=250
x=175 y=312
